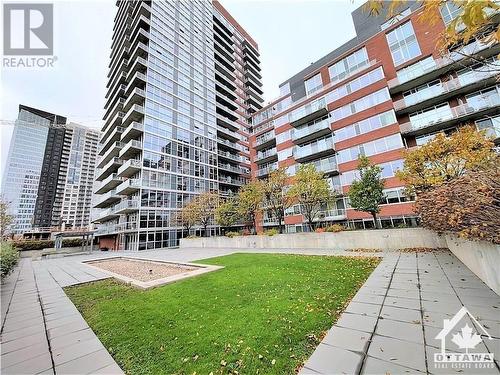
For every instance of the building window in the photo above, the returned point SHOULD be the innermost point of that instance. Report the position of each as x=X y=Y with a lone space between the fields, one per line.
x=450 y=11
x=394 y=20
x=314 y=84
x=348 y=65
x=403 y=44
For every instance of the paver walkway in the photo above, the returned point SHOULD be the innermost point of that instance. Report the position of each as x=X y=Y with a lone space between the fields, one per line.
x=391 y=324
x=389 y=327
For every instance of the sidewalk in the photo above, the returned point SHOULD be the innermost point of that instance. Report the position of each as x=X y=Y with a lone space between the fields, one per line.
x=391 y=324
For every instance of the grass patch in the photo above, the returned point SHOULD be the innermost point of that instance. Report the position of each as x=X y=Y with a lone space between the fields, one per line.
x=263 y=313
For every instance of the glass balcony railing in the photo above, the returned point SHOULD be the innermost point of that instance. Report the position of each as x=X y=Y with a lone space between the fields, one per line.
x=304 y=113
x=463 y=80
x=430 y=64
x=265 y=154
x=326 y=165
x=267 y=169
x=319 y=146
x=305 y=131
x=264 y=138
x=443 y=114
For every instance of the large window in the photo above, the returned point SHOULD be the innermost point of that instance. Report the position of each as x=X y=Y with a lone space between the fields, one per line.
x=314 y=84
x=366 y=125
x=347 y=65
x=378 y=146
x=359 y=105
x=403 y=44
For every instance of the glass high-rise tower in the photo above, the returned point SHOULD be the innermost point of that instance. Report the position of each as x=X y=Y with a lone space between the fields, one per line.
x=183 y=81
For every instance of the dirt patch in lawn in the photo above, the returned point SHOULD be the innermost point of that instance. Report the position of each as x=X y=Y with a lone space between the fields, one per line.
x=142 y=270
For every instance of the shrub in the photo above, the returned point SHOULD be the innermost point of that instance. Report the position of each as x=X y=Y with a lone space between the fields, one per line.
x=466 y=205
x=271 y=232
x=8 y=258
x=25 y=245
x=335 y=228
x=320 y=230
x=232 y=234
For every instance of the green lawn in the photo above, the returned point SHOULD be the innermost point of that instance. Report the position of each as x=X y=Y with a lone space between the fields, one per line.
x=261 y=314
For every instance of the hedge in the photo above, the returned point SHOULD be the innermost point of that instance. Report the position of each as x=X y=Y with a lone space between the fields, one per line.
x=25 y=245
x=8 y=259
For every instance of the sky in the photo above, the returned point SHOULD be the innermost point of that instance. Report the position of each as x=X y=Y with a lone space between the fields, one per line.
x=291 y=34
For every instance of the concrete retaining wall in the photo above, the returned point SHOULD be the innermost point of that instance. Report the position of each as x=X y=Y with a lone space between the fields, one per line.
x=482 y=258
x=384 y=239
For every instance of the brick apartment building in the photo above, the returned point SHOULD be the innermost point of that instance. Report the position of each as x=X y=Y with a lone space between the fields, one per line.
x=387 y=89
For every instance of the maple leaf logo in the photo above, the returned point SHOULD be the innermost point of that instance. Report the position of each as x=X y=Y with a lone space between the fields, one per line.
x=466 y=339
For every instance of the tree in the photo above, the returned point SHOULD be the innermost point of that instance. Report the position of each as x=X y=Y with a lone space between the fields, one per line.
x=187 y=217
x=366 y=193
x=472 y=20
x=445 y=158
x=467 y=205
x=250 y=199
x=276 y=198
x=5 y=218
x=226 y=214
x=310 y=190
x=205 y=205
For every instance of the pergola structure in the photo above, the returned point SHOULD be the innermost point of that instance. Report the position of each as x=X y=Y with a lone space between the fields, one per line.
x=87 y=239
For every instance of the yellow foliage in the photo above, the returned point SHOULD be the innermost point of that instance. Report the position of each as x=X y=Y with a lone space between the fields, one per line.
x=445 y=158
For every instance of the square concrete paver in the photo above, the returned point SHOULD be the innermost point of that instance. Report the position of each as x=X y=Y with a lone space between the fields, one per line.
x=358 y=322
x=326 y=358
x=400 y=352
x=345 y=338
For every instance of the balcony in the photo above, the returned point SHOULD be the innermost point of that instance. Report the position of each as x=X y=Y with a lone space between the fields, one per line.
x=130 y=149
x=262 y=172
x=466 y=82
x=135 y=113
x=113 y=136
x=140 y=65
x=226 y=123
x=233 y=136
x=326 y=165
x=111 y=122
x=231 y=168
x=232 y=181
x=231 y=156
x=446 y=116
x=429 y=68
x=109 y=183
x=129 y=168
x=109 y=168
x=137 y=96
x=310 y=151
x=265 y=140
x=226 y=111
x=112 y=152
x=332 y=215
x=233 y=145
x=129 y=186
x=107 y=214
x=266 y=156
x=127 y=206
x=310 y=131
x=269 y=221
x=106 y=199
x=137 y=80
x=308 y=113
x=134 y=130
